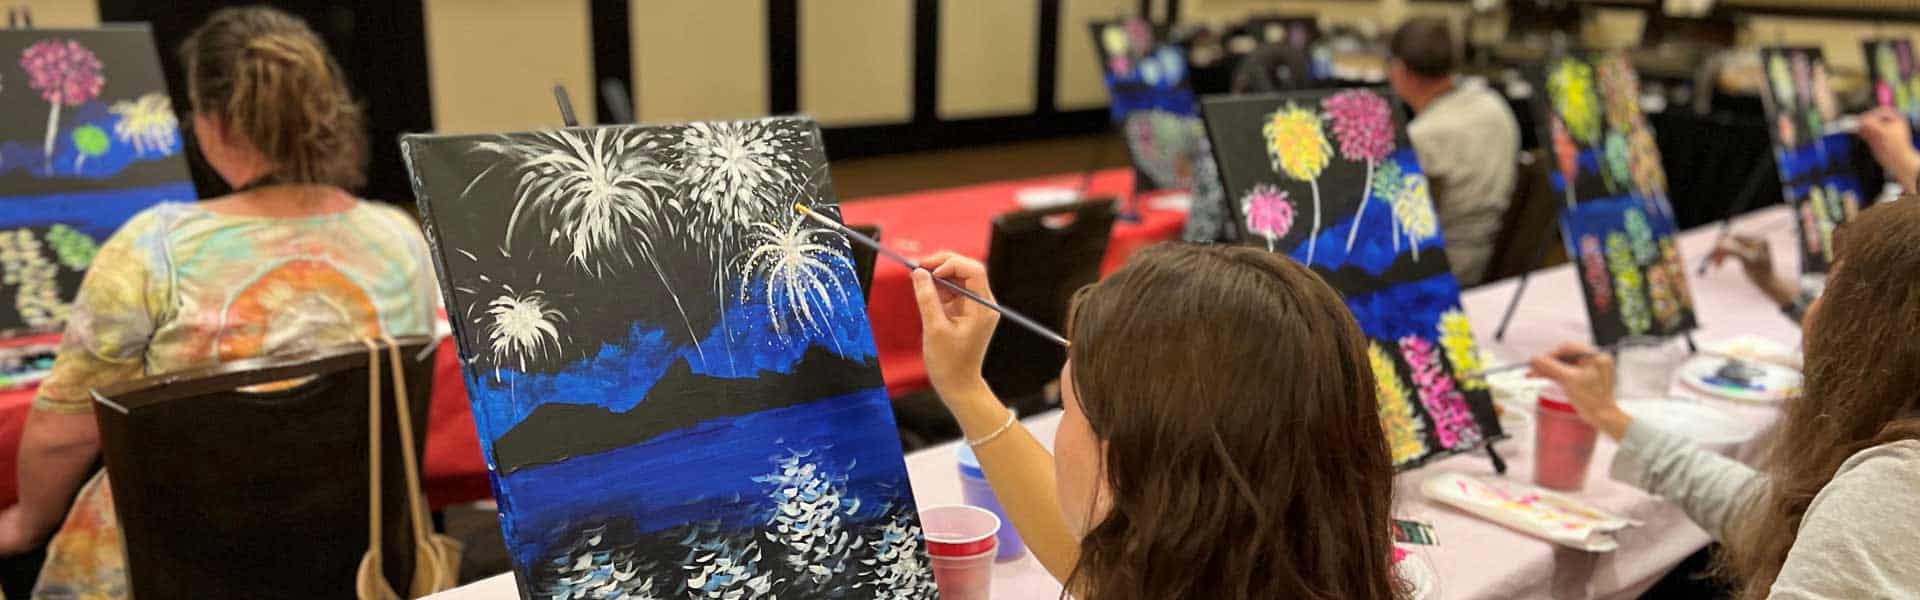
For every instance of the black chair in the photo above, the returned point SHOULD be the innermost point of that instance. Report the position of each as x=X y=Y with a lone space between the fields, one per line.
x=1036 y=260
x=864 y=257
x=223 y=492
x=1529 y=230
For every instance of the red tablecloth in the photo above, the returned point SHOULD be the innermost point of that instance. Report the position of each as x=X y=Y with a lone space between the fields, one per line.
x=455 y=472
x=959 y=219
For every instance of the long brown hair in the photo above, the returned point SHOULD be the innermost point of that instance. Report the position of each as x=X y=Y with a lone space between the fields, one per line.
x=1244 y=454
x=270 y=81
x=1862 y=386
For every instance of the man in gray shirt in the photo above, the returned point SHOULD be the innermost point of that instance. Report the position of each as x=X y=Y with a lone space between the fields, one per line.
x=1467 y=140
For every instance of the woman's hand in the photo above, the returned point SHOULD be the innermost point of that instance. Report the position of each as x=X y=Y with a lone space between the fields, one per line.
x=1890 y=138
x=1586 y=375
x=954 y=329
x=1756 y=259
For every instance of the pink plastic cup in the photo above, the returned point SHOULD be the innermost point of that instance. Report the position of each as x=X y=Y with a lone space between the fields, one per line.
x=961 y=547
x=1562 y=443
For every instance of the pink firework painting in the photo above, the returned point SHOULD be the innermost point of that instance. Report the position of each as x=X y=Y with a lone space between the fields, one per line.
x=1363 y=122
x=66 y=74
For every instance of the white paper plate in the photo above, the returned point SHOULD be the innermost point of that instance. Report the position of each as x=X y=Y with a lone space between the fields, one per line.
x=1703 y=424
x=1774 y=383
x=1419 y=575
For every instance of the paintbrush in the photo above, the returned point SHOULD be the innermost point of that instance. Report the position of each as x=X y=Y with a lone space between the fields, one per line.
x=1017 y=318
x=1571 y=358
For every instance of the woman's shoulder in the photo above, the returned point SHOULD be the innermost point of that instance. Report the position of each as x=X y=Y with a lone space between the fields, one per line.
x=1900 y=457
x=1883 y=476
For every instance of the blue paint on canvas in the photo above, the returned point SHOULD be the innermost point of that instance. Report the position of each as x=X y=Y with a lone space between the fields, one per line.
x=699 y=413
x=95 y=213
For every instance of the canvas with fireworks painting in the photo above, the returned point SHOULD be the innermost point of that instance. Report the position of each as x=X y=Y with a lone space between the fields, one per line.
x=674 y=383
x=88 y=138
x=1616 y=219
x=1894 y=74
x=1328 y=178
x=1152 y=101
x=1815 y=161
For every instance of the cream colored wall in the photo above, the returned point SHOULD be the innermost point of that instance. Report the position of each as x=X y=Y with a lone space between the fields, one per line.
x=51 y=14
x=986 y=57
x=856 y=61
x=1078 y=83
x=699 y=60
x=492 y=64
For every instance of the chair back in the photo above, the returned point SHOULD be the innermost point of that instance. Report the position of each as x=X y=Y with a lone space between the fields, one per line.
x=226 y=491
x=1530 y=221
x=864 y=257
x=1036 y=260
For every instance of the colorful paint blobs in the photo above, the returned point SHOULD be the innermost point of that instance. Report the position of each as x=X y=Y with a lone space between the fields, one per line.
x=1893 y=70
x=1153 y=102
x=720 y=430
x=1373 y=235
x=1816 y=165
x=1617 y=216
x=1405 y=430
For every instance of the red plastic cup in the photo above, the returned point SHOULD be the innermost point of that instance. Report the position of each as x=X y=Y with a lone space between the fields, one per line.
x=1562 y=443
x=961 y=546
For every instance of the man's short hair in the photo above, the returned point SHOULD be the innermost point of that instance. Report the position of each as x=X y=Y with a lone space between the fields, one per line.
x=1425 y=45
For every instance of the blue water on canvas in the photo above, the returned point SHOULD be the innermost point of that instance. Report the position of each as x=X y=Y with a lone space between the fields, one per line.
x=96 y=213
x=1374 y=250
x=705 y=472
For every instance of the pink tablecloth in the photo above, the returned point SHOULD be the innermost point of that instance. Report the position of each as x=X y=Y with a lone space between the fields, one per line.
x=1478 y=559
x=959 y=219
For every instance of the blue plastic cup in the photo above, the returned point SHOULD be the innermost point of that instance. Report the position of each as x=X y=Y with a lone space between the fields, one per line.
x=976 y=491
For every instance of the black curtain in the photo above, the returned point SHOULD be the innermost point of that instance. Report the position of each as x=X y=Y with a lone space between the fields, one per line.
x=381 y=44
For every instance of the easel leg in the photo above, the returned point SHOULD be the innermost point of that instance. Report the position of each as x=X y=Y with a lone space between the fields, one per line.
x=1499 y=464
x=1500 y=333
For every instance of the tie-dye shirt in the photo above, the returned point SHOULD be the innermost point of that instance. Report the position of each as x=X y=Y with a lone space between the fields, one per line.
x=180 y=287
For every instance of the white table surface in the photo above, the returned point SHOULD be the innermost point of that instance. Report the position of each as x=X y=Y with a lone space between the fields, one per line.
x=1476 y=558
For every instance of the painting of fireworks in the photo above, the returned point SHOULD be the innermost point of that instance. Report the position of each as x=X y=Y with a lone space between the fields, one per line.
x=1329 y=179
x=1153 y=102
x=88 y=138
x=676 y=389
x=1894 y=72
x=1816 y=162
x=1617 y=221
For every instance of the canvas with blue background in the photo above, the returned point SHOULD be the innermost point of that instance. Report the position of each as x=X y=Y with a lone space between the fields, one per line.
x=676 y=389
x=1151 y=99
x=88 y=138
x=1615 y=217
x=1329 y=179
x=1815 y=158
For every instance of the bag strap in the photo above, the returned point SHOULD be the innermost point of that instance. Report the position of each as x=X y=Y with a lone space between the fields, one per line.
x=373 y=457
x=416 y=503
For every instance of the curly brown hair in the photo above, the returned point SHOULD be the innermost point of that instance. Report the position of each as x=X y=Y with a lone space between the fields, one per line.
x=1244 y=453
x=269 y=80
x=1862 y=388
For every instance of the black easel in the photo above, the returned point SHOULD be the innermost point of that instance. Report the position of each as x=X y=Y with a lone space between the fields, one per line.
x=566 y=106
x=1755 y=178
x=1539 y=260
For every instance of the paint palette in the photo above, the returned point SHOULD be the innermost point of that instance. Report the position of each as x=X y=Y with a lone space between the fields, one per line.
x=1743 y=380
x=1529 y=510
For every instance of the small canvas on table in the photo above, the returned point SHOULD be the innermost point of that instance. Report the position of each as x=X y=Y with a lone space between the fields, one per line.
x=1616 y=220
x=88 y=137
x=1894 y=72
x=1328 y=178
x=1816 y=162
x=671 y=372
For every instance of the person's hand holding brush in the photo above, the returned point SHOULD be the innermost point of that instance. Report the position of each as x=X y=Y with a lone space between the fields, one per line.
x=1756 y=259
